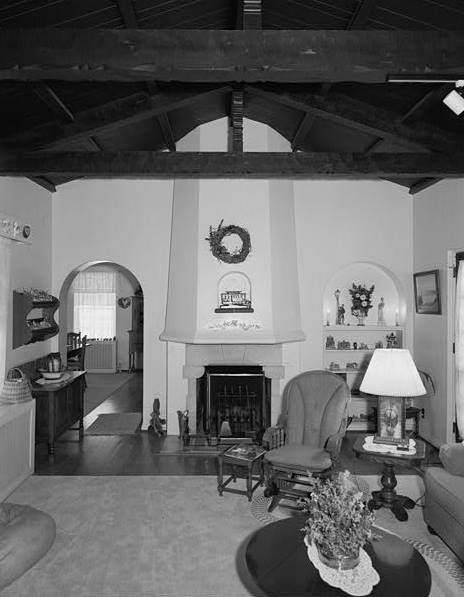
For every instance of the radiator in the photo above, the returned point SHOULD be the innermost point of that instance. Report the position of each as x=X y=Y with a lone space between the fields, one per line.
x=100 y=356
x=17 y=439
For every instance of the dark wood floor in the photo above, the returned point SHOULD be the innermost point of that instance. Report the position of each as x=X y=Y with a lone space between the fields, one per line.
x=144 y=453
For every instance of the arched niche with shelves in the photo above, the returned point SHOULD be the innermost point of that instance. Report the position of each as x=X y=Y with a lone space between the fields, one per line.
x=348 y=346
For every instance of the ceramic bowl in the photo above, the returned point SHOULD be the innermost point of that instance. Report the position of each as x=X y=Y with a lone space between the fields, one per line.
x=51 y=374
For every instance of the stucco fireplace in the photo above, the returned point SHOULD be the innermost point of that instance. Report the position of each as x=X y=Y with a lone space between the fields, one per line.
x=236 y=313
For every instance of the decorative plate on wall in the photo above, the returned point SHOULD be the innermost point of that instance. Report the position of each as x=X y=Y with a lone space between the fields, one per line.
x=124 y=302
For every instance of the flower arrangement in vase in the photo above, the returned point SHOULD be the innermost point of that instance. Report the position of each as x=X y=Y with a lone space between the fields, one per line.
x=361 y=301
x=339 y=522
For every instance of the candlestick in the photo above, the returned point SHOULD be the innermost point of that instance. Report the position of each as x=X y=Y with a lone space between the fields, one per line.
x=397 y=317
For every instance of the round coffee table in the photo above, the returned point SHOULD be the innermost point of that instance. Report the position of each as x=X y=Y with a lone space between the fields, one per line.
x=274 y=562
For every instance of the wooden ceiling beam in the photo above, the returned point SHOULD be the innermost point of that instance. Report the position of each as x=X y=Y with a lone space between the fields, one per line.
x=43 y=182
x=423 y=184
x=228 y=55
x=296 y=165
x=419 y=108
x=359 y=20
x=252 y=14
x=362 y=14
x=107 y=117
x=303 y=130
x=308 y=121
x=167 y=132
x=127 y=10
x=49 y=97
x=365 y=118
x=236 y=121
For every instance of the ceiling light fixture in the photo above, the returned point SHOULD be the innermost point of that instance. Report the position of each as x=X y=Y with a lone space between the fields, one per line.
x=455 y=99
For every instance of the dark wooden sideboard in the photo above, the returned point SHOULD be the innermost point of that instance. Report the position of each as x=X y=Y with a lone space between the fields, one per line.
x=59 y=406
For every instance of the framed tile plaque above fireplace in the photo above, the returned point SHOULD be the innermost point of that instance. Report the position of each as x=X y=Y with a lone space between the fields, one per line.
x=233 y=403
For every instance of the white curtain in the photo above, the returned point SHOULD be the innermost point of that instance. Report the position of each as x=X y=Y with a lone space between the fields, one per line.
x=95 y=304
x=459 y=349
x=4 y=301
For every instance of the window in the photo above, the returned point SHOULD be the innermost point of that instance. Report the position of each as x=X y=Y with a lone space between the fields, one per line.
x=95 y=304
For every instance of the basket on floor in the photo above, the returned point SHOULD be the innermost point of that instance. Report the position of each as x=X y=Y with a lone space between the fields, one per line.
x=15 y=388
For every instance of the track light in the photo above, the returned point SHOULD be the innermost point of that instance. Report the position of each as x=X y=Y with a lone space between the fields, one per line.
x=455 y=100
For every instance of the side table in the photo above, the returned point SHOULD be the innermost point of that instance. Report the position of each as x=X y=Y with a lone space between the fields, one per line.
x=387 y=496
x=244 y=459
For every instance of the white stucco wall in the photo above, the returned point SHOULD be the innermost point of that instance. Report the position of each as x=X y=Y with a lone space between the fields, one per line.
x=341 y=222
x=127 y=222
x=31 y=264
x=438 y=229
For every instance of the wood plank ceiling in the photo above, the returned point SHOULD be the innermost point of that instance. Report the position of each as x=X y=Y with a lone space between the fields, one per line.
x=106 y=88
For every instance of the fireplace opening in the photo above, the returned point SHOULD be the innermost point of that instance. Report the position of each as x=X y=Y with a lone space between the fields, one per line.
x=233 y=403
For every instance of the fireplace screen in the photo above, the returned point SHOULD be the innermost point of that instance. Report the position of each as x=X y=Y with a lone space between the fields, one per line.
x=233 y=402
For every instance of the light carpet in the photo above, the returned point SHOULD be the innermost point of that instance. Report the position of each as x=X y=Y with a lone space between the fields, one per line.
x=158 y=536
x=100 y=386
x=115 y=424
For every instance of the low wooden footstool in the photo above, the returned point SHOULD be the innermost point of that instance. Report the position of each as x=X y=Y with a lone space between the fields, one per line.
x=246 y=461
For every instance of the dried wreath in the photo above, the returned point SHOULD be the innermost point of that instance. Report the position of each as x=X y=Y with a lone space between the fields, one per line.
x=217 y=235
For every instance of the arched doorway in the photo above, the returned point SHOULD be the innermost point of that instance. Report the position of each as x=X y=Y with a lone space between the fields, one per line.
x=103 y=301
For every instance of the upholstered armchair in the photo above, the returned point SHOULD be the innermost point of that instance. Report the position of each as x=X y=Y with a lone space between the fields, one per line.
x=307 y=438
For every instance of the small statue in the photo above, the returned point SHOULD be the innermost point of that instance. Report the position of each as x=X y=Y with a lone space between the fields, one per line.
x=380 y=315
x=392 y=340
x=183 y=419
x=155 y=420
x=337 y=310
x=341 y=315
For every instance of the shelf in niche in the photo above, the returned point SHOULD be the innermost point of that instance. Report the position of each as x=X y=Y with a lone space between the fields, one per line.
x=349 y=349
x=360 y=328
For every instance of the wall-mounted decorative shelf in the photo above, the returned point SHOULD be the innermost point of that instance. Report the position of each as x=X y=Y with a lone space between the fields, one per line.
x=33 y=316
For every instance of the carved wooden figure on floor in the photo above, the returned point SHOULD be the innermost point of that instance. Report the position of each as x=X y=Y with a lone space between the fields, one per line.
x=156 y=422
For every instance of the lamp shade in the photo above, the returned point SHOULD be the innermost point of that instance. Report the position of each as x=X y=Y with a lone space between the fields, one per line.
x=392 y=372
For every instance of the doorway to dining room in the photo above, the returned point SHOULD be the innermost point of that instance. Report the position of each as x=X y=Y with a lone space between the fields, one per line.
x=102 y=301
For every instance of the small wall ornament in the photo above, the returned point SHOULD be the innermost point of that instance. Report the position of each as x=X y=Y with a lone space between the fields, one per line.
x=124 y=302
x=220 y=251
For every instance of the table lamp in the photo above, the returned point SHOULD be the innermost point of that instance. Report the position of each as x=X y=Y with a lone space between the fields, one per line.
x=392 y=376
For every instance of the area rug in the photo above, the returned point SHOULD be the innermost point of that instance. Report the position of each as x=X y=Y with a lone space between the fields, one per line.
x=158 y=536
x=115 y=424
x=100 y=386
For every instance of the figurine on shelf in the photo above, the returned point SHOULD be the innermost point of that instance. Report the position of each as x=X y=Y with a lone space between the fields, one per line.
x=337 y=298
x=352 y=365
x=343 y=345
x=355 y=346
x=334 y=366
x=379 y=344
x=341 y=315
x=330 y=343
x=380 y=315
x=392 y=340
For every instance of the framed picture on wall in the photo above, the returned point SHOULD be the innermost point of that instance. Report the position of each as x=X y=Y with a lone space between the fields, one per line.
x=427 y=292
